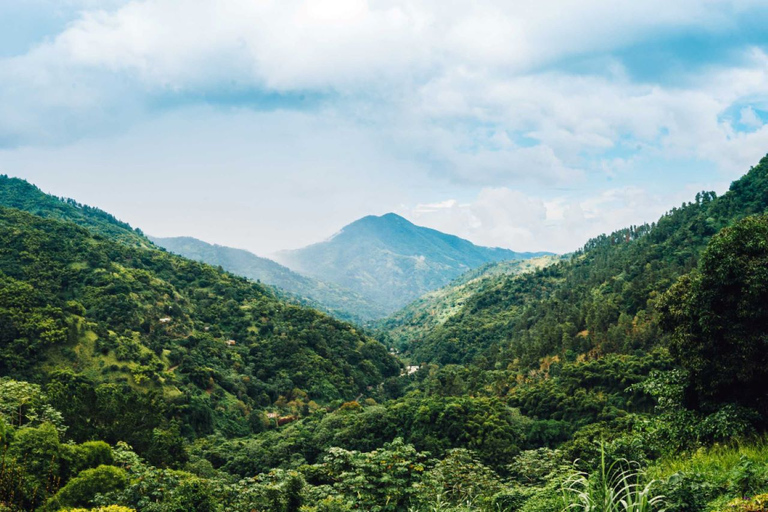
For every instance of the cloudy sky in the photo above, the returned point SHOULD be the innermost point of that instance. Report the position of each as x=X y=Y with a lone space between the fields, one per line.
x=269 y=124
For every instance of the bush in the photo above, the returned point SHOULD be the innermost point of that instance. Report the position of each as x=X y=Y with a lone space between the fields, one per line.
x=754 y=504
x=110 y=508
x=81 y=490
x=78 y=457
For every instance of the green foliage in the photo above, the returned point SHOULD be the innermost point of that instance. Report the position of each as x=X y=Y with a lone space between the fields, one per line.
x=25 y=404
x=109 y=508
x=616 y=487
x=535 y=467
x=487 y=426
x=459 y=480
x=71 y=299
x=78 y=457
x=753 y=504
x=381 y=480
x=37 y=450
x=35 y=464
x=711 y=477
x=122 y=342
x=278 y=490
x=156 y=489
x=416 y=320
x=588 y=391
x=717 y=315
x=29 y=324
x=19 y=194
x=82 y=489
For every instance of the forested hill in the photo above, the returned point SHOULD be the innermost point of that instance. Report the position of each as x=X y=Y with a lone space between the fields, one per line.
x=138 y=343
x=420 y=317
x=391 y=261
x=20 y=194
x=342 y=303
x=602 y=300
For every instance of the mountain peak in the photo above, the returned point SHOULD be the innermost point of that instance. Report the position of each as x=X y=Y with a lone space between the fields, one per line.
x=387 y=218
x=394 y=217
x=390 y=260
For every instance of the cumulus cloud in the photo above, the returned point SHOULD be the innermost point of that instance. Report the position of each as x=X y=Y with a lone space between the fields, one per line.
x=436 y=70
x=504 y=217
x=300 y=44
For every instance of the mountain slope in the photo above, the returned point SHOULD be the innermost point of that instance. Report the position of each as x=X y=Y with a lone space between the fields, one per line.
x=20 y=194
x=420 y=317
x=392 y=261
x=602 y=300
x=332 y=298
x=144 y=338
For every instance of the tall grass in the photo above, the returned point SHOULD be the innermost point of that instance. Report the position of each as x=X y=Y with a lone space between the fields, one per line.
x=617 y=487
x=716 y=459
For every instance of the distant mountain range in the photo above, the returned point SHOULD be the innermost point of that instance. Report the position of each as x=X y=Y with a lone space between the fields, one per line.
x=390 y=261
x=332 y=298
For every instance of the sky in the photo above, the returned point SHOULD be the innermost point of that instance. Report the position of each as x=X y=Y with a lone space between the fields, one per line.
x=270 y=124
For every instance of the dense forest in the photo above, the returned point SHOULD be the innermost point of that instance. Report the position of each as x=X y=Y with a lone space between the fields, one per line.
x=419 y=318
x=628 y=376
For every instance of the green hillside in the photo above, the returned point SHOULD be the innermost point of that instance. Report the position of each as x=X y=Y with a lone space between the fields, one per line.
x=20 y=194
x=602 y=300
x=421 y=316
x=391 y=261
x=78 y=309
x=341 y=303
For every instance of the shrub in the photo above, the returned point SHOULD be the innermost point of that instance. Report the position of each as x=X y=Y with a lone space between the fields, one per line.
x=81 y=490
x=754 y=504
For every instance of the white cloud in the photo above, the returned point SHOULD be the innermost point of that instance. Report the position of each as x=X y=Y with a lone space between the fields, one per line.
x=503 y=217
x=749 y=118
x=428 y=72
x=295 y=44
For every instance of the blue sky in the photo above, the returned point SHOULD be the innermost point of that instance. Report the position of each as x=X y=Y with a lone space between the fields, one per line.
x=269 y=124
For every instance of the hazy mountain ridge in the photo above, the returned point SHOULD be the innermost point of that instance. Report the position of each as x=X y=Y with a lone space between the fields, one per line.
x=344 y=304
x=391 y=261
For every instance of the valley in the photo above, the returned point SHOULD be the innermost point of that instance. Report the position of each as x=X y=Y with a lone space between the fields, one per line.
x=138 y=379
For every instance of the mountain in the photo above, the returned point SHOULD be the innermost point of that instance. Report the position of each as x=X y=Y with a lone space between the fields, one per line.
x=147 y=341
x=600 y=300
x=344 y=304
x=391 y=261
x=420 y=317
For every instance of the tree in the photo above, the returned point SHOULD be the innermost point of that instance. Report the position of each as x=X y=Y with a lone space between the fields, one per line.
x=718 y=319
x=81 y=490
